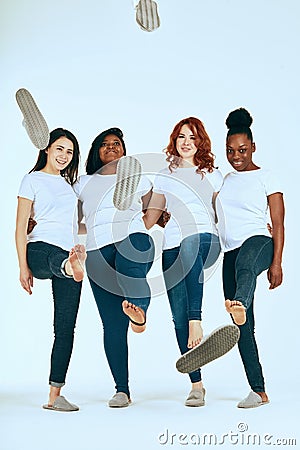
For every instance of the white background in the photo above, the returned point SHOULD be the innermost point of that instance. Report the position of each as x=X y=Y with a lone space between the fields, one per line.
x=89 y=67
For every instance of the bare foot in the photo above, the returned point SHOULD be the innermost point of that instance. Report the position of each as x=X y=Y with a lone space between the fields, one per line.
x=195 y=333
x=237 y=310
x=77 y=257
x=135 y=314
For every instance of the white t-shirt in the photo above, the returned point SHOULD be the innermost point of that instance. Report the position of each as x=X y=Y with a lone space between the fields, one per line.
x=105 y=224
x=242 y=206
x=54 y=208
x=188 y=197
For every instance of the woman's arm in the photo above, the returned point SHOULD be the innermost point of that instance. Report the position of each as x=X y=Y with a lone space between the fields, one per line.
x=23 y=214
x=155 y=207
x=214 y=199
x=276 y=206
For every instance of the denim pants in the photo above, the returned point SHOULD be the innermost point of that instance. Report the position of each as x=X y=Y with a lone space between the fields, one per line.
x=241 y=268
x=183 y=268
x=45 y=262
x=117 y=271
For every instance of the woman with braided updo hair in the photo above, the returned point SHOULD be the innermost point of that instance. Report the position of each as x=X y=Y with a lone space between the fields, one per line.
x=248 y=194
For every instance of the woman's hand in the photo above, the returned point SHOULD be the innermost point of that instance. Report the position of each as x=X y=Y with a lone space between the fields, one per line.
x=276 y=206
x=164 y=219
x=275 y=275
x=26 y=279
x=153 y=211
x=31 y=224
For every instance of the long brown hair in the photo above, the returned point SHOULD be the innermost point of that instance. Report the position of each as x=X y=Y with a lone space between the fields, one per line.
x=203 y=158
x=70 y=173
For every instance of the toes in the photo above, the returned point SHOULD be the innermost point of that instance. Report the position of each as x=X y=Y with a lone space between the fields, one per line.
x=125 y=304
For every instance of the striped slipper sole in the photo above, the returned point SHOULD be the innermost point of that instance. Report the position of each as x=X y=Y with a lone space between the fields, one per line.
x=128 y=176
x=219 y=342
x=147 y=15
x=34 y=123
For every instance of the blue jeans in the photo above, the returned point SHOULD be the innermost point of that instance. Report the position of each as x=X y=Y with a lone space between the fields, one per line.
x=183 y=273
x=45 y=262
x=117 y=271
x=241 y=268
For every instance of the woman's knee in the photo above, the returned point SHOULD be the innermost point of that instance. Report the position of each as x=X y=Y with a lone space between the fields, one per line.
x=255 y=254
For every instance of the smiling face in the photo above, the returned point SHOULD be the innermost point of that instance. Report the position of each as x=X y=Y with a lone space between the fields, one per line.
x=111 y=149
x=185 y=144
x=239 y=150
x=59 y=155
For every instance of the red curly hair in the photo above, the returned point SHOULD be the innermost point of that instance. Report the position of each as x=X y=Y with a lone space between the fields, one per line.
x=203 y=158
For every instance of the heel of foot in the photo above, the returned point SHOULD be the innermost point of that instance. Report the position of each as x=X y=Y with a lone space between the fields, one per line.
x=237 y=310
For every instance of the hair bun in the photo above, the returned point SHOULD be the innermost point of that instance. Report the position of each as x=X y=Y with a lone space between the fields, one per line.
x=239 y=118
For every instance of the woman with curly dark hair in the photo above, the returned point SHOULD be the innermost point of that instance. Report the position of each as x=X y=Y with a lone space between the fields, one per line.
x=187 y=189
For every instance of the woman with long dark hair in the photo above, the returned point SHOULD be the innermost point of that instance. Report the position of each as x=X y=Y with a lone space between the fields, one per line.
x=120 y=253
x=50 y=251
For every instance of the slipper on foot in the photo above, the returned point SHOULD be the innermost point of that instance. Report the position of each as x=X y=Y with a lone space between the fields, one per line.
x=61 y=404
x=34 y=122
x=128 y=176
x=119 y=400
x=196 y=398
x=253 y=400
x=219 y=342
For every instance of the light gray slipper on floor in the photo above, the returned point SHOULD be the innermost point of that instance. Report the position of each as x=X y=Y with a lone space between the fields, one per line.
x=253 y=400
x=62 y=404
x=34 y=122
x=196 y=398
x=129 y=171
x=216 y=344
x=119 y=400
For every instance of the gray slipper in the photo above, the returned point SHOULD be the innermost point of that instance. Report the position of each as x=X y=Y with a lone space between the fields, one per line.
x=119 y=400
x=196 y=398
x=219 y=342
x=34 y=123
x=253 y=400
x=128 y=176
x=61 y=404
x=147 y=15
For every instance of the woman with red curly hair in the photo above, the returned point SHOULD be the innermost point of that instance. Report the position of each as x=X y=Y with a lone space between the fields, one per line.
x=187 y=189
